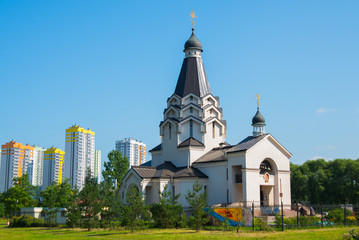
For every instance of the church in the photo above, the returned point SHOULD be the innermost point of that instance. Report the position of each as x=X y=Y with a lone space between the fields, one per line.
x=193 y=147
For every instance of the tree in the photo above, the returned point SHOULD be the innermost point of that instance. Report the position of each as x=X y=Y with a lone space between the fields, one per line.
x=111 y=211
x=135 y=207
x=73 y=216
x=54 y=197
x=116 y=168
x=90 y=201
x=18 y=196
x=197 y=199
x=167 y=213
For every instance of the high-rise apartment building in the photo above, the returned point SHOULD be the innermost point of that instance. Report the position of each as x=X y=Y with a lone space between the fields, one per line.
x=53 y=167
x=97 y=166
x=134 y=150
x=16 y=159
x=35 y=169
x=79 y=154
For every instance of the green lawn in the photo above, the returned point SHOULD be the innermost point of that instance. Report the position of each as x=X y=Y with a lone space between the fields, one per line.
x=65 y=233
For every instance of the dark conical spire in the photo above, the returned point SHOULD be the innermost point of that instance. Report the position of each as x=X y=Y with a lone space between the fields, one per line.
x=192 y=78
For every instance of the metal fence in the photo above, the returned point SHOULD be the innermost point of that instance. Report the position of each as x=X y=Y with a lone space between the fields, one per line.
x=300 y=215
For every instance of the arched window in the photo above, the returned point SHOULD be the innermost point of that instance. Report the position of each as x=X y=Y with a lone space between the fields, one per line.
x=266 y=167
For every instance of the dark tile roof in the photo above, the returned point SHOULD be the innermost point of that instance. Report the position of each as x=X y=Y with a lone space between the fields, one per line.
x=220 y=153
x=190 y=78
x=189 y=172
x=215 y=155
x=157 y=148
x=191 y=142
x=247 y=143
x=168 y=170
x=144 y=172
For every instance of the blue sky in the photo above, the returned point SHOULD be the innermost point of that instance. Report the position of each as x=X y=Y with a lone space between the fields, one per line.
x=110 y=66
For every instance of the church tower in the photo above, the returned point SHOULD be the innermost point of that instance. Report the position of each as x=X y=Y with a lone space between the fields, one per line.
x=193 y=121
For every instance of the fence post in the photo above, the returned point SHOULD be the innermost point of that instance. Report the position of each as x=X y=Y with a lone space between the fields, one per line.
x=345 y=213
x=282 y=215
x=321 y=213
x=297 y=215
x=253 y=215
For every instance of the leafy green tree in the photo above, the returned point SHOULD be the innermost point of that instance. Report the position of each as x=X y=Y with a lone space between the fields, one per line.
x=167 y=213
x=116 y=168
x=90 y=201
x=18 y=196
x=136 y=209
x=197 y=199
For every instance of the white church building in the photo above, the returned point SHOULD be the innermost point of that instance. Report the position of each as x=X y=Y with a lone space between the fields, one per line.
x=193 y=146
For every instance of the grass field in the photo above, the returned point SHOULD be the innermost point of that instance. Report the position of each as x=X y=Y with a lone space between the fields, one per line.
x=65 y=233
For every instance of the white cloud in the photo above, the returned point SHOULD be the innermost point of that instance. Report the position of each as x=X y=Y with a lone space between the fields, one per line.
x=321 y=157
x=331 y=147
x=325 y=110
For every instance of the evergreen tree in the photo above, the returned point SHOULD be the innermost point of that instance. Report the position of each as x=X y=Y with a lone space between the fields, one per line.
x=197 y=199
x=135 y=207
x=167 y=213
x=54 y=197
x=90 y=201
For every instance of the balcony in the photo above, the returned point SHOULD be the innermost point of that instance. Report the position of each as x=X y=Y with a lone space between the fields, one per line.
x=238 y=178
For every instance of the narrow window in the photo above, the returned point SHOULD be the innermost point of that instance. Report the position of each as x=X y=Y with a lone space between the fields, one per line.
x=227 y=173
x=191 y=128
x=191 y=98
x=227 y=196
x=191 y=110
x=173 y=191
x=170 y=129
x=213 y=130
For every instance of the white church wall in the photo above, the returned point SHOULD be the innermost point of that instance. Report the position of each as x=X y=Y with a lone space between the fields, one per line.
x=217 y=182
x=195 y=112
x=185 y=185
x=266 y=149
x=251 y=187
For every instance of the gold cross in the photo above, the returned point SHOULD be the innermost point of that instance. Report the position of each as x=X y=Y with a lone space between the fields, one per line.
x=193 y=16
x=258 y=97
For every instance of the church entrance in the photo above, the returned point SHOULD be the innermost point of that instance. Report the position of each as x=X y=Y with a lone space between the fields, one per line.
x=266 y=195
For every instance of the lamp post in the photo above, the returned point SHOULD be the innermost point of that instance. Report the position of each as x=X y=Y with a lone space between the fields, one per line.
x=281 y=202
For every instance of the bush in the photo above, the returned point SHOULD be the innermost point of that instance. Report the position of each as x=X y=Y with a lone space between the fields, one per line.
x=26 y=221
x=352 y=234
x=262 y=223
x=337 y=215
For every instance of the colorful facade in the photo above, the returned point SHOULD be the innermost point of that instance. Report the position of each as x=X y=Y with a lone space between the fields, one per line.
x=36 y=167
x=53 y=166
x=15 y=160
x=80 y=154
x=134 y=150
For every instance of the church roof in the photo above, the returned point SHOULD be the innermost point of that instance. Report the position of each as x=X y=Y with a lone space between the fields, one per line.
x=220 y=153
x=191 y=142
x=157 y=148
x=192 y=78
x=168 y=170
x=247 y=143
